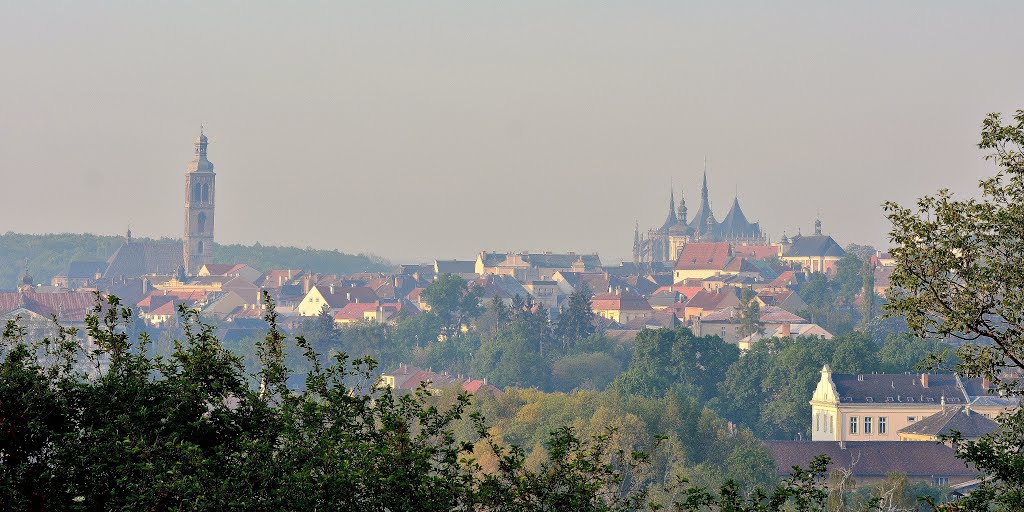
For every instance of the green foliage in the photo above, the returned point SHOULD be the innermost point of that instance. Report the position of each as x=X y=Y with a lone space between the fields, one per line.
x=453 y=302
x=664 y=358
x=576 y=320
x=958 y=275
x=512 y=358
x=750 y=314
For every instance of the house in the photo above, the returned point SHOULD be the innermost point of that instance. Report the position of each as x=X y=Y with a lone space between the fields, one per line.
x=786 y=330
x=334 y=297
x=622 y=306
x=726 y=323
x=701 y=260
x=815 y=253
x=706 y=302
x=877 y=406
x=870 y=462
x=355 y=312
x=544 y=291
x=969 y=424
x=407 y=379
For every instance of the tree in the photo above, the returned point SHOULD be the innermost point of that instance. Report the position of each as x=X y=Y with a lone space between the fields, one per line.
x=958 y=275
x=867 y=313
x=750 y=314
x=453 y=301
x=576 y=320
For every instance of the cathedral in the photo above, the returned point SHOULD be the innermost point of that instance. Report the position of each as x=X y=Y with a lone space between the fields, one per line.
x=137 y=258
x=663 y=244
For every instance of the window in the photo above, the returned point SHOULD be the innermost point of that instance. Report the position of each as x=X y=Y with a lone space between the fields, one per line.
x=853 y=424
x=911 y=419
x=201 y=224
x=196 y=193
x=882 y=420
x=867 y=425
x=201 y=247
x=940 y=480
x=817 y=426
x=206 y=193
x=830 y=428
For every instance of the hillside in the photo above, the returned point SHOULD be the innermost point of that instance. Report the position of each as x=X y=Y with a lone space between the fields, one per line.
x=47 y=255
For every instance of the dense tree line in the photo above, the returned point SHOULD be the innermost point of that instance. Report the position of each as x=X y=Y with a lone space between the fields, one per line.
x=47 y=255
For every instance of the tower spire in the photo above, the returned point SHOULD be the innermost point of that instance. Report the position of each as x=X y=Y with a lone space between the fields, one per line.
x=636 y=243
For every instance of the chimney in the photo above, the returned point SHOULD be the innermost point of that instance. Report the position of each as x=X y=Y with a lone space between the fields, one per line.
x=348 y=295
x=985 y=383
x=860 y=377
x=331 y=288
x=787 y=330
x=924 y=380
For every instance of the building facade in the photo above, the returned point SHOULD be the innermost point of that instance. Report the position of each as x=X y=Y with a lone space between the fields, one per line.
x=200 y=188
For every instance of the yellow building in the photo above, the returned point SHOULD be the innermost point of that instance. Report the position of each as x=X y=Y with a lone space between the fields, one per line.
x=622 y=306
x=874 y=407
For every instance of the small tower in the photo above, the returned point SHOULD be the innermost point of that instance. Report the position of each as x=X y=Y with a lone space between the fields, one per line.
x=682 y=209
x=817 y=227
x=199 y=201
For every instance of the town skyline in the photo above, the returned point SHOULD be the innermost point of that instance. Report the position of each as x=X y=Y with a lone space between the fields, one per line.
x=509 y=131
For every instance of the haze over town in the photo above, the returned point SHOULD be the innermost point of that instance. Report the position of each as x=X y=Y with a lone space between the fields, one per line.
x=414 y=131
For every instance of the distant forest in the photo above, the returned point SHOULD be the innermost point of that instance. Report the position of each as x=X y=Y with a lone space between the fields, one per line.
x=48 y=255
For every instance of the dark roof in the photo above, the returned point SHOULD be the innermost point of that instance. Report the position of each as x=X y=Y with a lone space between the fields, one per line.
x=552 y=260
x=899 y=388
x=455 y=267
x=85 y=269
x=344 y=294
x=961 y=419
x=814 y=245
x=139 y=258
x=735 y=224
x=873 y=458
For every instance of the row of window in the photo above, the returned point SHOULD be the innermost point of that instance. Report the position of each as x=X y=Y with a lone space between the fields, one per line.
x=868 y=424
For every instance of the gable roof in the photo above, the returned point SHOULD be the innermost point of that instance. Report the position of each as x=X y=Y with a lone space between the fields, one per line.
x=961 y=419
x=704 y=256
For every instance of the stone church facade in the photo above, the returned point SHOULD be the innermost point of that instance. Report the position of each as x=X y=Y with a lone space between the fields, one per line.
x=664 y=244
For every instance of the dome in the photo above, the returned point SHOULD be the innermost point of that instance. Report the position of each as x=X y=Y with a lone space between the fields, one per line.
x=201 y=139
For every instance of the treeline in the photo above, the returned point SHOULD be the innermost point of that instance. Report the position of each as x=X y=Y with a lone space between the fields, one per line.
x=113 y=427
x=47 y=255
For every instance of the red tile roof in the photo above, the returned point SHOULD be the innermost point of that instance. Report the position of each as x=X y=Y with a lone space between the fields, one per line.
x=704 y=256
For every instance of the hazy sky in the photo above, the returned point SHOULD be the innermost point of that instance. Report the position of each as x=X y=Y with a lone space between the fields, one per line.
x=422 y=129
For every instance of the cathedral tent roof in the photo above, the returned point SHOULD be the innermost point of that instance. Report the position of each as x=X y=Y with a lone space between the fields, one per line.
x=735 y=224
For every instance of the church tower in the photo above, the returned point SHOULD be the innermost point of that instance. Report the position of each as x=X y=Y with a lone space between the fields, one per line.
x=199 y=193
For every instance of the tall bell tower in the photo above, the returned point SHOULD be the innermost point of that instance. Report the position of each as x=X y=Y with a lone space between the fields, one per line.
x=199 y=193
